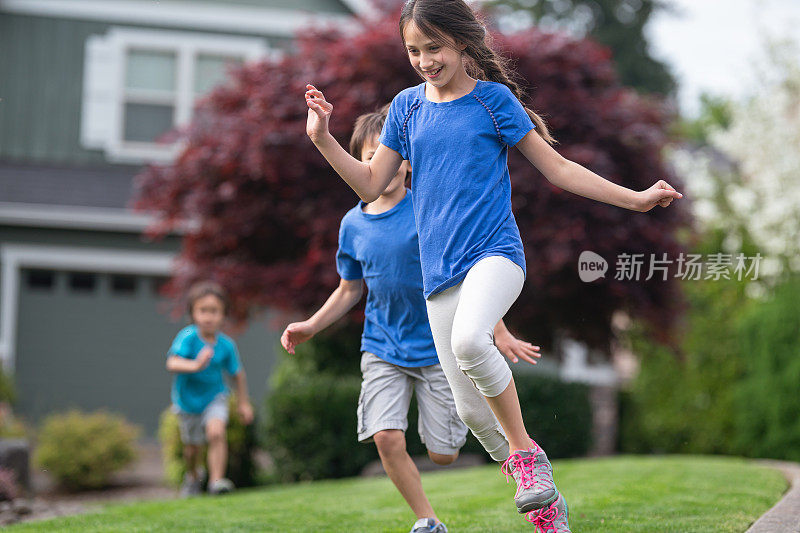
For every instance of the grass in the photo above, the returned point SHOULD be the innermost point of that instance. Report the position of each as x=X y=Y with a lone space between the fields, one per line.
x=621 y=494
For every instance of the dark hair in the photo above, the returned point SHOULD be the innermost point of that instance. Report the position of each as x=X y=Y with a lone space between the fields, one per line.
x=367 y=127
x=439 y=19
x=202 y=289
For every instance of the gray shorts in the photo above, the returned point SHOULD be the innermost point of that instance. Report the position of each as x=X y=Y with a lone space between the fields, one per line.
x=386 y=394
x=193 y=426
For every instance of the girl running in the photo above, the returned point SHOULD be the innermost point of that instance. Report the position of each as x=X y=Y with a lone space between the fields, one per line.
x=378 y=247
x=455 y=130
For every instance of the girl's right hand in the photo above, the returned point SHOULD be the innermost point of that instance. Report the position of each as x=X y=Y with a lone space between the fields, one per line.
x=319 y=112
x=294 y=334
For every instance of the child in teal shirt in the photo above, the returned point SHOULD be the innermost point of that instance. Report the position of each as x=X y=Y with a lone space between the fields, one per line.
x=198 y=356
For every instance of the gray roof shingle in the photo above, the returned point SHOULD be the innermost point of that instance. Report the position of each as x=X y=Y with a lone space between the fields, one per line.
x=109 y=187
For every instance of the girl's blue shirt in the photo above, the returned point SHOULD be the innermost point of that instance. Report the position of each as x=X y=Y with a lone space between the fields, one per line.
x=462 y=189
x=383 y=250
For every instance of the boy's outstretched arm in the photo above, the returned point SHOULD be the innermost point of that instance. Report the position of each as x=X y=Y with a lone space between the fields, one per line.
x=574 y=178
x=244 y=406
x=513 y=348
x=346 y=295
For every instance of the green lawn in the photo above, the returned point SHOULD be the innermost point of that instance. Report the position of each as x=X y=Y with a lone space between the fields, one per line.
x=647 y=494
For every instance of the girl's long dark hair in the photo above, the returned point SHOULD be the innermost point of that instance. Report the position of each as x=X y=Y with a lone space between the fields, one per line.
x=439 y=19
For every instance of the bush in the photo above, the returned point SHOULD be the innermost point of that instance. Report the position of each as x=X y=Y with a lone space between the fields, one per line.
x=241 y=468
x=10 y=426
x=557 y=415
x=684 y=401
x=7 y=392
x=311 y=420
x=311 y=427
x=767 y=403
x=82 y=451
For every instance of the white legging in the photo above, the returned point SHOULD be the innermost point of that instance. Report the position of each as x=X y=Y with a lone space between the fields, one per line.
x=462 y=321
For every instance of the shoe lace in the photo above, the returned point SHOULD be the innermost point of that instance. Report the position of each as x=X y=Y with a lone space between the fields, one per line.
x=544 y=519
x=527 y=470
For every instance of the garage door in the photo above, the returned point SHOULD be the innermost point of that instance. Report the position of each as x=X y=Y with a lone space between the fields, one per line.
x=91 y=341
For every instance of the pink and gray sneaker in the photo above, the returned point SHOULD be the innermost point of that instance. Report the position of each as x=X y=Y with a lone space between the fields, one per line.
x=428 y=525
x=534 y=476
x=551 y=519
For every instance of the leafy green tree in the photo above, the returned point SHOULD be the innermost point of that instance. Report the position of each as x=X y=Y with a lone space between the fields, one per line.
x=618 y=24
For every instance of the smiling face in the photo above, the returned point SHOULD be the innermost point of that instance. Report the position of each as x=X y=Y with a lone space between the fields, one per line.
x=437 y=61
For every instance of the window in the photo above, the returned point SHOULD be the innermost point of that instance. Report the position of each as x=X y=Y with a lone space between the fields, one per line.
x=82 y=281
x=211 y=70
x=40 y=279
x=141 y=84
x=123 y=284
x=149 y=98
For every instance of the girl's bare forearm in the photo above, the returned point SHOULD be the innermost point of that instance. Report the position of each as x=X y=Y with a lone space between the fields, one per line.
x=577 y=179
x=355 y=173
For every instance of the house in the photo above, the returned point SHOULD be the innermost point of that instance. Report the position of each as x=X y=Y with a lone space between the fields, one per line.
x=86 y=88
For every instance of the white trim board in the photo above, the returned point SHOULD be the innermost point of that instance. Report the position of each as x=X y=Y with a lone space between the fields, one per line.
x=14 y=257
x=196 y=16
x=73 y=217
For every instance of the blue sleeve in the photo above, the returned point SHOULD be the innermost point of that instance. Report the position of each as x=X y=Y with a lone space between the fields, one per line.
x=392 y=133
x=232 y=364
x=346 y=264
x=182 y=345
x=512 y=119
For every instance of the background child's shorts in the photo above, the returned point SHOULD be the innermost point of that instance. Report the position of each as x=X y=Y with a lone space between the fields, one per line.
x=385 y=397
x=193 y=426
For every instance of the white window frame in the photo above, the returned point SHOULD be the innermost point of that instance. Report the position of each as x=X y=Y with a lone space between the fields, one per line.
x=187 y=46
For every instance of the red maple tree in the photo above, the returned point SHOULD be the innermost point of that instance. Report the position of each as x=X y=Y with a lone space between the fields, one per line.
x=267 y=206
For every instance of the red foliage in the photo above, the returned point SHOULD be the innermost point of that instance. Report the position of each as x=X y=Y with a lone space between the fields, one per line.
x=267 y=206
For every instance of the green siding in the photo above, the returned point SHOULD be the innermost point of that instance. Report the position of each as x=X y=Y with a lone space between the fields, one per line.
x=41 y=83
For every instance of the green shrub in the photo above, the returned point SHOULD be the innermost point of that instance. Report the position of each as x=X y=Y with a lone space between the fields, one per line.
x=12 y=428
x=767 y=400
x=557 y=415
x=82 y=451
x=310 y=428
x=684 y=401
x=7 y=392
x=241 y=468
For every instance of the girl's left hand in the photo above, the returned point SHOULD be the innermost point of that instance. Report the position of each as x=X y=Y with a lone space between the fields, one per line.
x=515 y=349
x=661 y=193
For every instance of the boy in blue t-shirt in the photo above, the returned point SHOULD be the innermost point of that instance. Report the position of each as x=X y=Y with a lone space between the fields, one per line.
x=378 y=244
x=198 y=356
